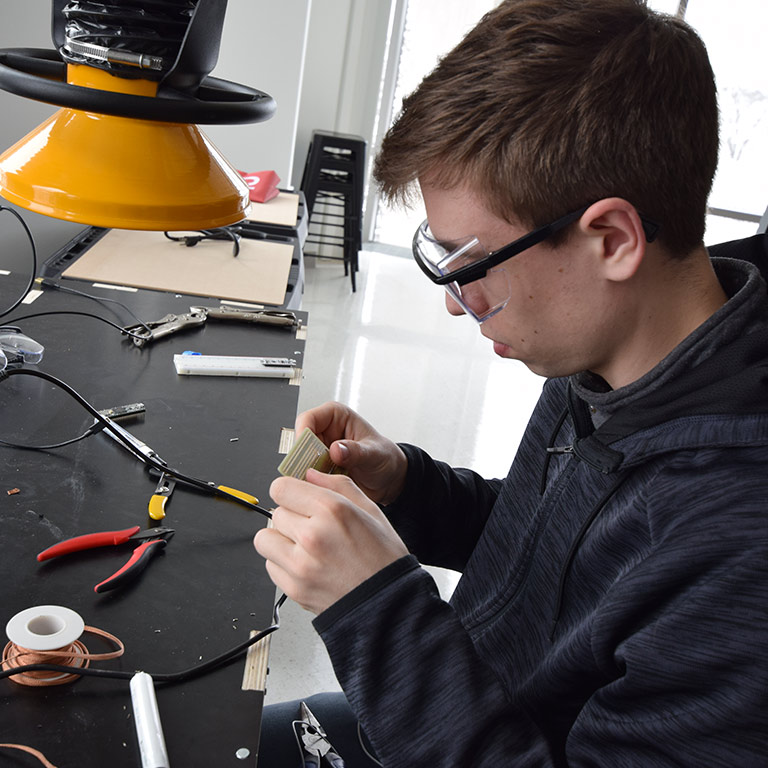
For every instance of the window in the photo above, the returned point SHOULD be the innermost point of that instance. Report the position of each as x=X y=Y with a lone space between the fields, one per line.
x=733 y=37
x=739 y=59
x=432 y=28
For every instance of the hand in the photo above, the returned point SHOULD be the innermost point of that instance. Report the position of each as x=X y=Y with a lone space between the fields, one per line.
x=327 y=538
x=377 y=465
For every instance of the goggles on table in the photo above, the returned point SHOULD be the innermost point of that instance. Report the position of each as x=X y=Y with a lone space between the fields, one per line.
x=472 y=276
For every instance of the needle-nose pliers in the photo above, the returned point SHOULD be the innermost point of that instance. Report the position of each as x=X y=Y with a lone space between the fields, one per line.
x=154 y=541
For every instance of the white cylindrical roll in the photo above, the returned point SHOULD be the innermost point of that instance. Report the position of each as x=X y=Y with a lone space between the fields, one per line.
x=147 y=718
x=45 y=628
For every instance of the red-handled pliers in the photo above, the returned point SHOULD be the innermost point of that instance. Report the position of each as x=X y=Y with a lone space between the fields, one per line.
x=157 y=539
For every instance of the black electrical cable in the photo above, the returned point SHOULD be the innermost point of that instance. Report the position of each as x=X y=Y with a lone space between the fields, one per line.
x=51 y=284
x=34 y=260
x=50 y=447
x=169 y=678
x=82 y=314
x=48 y=283
x=220 y=233
x=106 y=423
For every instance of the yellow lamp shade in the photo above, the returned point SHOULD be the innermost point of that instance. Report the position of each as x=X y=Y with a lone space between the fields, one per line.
x=120 y=172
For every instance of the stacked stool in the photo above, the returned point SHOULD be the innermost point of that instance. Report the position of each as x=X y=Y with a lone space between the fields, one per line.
x=333 y=187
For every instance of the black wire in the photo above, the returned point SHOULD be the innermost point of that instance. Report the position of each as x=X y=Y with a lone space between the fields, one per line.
x=221 y=233
x=88 y=432
x=34 y=261
x=9 y=444
x=48 y=283
x=170 y=678
x=211 y=488
x=82 y=314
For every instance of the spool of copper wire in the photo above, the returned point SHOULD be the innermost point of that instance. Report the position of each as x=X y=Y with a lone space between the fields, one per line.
x=50 y=634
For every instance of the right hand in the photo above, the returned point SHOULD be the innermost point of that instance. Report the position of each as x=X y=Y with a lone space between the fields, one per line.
x=376 y=464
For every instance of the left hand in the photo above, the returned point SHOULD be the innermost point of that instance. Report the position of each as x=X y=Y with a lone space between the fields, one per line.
x=327 y=538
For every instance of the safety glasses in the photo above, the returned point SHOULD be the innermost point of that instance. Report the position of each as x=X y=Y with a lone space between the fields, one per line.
x=472 y=276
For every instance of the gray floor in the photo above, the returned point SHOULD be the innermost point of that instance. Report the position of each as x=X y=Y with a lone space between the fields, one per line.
x=393 y=353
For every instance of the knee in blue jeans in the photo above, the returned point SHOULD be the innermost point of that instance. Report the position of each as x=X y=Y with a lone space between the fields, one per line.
x=280 y=745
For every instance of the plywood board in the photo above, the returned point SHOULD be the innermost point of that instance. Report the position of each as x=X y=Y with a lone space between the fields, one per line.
x=282 y=210
x=149 y=260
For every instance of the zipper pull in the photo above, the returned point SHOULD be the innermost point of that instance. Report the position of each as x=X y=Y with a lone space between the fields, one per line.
x=560 y=449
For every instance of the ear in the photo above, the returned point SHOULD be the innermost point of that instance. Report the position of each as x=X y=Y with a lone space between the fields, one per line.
x=617 y=236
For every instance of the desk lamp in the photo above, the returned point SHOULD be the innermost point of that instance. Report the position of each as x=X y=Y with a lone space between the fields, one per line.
x=132 y=78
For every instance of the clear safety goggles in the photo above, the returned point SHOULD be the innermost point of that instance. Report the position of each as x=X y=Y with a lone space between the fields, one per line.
x=472 y=276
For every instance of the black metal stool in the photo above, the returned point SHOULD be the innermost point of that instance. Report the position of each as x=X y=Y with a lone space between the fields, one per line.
x=333 y=187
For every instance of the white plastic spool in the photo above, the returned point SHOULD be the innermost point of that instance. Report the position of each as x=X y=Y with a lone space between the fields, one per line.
x=45 y=628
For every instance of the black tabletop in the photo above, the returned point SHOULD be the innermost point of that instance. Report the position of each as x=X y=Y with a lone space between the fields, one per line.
x=207 y=590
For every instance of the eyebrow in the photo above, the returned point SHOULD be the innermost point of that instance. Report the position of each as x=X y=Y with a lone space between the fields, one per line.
x=450 y=244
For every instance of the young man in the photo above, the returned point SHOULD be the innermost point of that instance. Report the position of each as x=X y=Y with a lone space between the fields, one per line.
x=613 y=605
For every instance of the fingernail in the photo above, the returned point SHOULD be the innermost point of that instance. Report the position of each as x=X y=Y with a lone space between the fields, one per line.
x=344 y=449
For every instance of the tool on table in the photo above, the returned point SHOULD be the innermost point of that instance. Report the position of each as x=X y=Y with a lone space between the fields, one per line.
x=194 y=364
x=315 y=745
x=165 y=326
x=197 y=316
x=162 y=493
x=150 y=457
x=154 y=541
x=266 y=316
x=114 y=429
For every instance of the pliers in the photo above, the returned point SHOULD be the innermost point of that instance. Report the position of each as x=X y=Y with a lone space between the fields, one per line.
x=162 y=493
x=314 y=742
x=151 y=459
x=156 y=540
x=165 y=326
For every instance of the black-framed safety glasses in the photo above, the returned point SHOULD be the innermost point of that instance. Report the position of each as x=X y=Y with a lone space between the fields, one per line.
x=460 y=266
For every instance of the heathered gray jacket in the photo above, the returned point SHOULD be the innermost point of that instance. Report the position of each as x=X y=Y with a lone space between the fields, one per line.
x=613 y=607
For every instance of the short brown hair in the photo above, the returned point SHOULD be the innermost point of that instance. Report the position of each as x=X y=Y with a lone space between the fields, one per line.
x=545 y=107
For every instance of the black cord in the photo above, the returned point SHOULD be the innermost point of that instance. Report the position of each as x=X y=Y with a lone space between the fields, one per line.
x=48 y=283
x=169 y=678
x=52 y=284
x=221 y=233
x=9 y=444
x=106 y=423
x=34 y=261
x=83 y=314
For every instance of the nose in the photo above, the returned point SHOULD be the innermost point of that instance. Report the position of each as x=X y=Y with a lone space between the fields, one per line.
x=453 y=307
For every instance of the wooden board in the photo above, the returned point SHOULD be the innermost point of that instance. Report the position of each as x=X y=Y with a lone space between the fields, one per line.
x=282 y=210
x=258 y=274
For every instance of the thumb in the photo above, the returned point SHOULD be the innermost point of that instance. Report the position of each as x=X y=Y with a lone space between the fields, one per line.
x=344 y=453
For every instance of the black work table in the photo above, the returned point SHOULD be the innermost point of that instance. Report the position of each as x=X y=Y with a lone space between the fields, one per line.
x=206 y=591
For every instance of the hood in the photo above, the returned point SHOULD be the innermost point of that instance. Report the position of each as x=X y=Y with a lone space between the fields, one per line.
x=707 y=397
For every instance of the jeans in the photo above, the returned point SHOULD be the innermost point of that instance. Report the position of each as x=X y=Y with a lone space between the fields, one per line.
x=279 y=744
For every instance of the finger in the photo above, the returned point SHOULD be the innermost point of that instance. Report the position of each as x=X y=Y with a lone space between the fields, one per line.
x=354 y=453
x=342 y=453
x=329 y=417
x=308 y=499
x=292 y=525
x=287 y=491
x=282 y=579
x=274 y=545
x=342 y=485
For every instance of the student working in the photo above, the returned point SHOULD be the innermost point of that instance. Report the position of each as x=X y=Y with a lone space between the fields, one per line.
x=613 y=604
